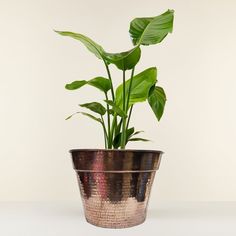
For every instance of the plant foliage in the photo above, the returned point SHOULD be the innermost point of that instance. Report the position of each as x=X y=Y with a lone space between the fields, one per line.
x=114 y=116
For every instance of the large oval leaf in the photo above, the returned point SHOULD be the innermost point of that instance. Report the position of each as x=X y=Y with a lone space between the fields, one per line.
x=157 y=100
x=95 y=107
x=93 y=47
x=125 y=60
x=101 y=83
x=140 y=88
x=151 y=30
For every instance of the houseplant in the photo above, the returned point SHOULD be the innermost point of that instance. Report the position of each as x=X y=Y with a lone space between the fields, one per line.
x=115 y=183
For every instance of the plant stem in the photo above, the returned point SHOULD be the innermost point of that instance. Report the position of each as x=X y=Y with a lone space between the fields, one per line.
x=105 y=132
x=123 y=136
x=108 y=124
x=109 y=76
x=130 y=111
x=130 y=87
x=110 y=135
x=114 y=124
x=105 y=139
x=129 y=92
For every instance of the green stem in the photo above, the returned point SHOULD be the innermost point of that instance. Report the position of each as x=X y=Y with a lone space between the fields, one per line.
x=108 y=124
x=109 y=76
x=105 y=139
x=104 y=131
x=128 y=97
x=130 y=111
x=110 y=138
x=114 y=124
x=123 y=136
x=130 y=87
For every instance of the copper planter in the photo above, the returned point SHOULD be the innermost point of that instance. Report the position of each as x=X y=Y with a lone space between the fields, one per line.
x=115 y=185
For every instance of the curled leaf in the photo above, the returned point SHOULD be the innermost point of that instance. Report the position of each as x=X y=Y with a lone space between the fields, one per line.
x=151 y=30
x=125 y=60
x=157 y=101
x=93 y=47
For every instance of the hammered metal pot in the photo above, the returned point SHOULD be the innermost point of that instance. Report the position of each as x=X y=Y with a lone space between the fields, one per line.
x=115 y=185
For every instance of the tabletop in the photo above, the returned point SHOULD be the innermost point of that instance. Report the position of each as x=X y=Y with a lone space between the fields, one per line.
x=169 y=219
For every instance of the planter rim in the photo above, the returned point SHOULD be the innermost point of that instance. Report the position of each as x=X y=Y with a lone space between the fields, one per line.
x=115 y=150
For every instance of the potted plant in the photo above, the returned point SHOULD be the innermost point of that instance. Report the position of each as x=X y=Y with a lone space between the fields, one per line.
x=115 y=183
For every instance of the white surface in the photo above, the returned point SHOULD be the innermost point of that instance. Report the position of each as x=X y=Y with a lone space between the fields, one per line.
x=196 y=66
x=175 y=219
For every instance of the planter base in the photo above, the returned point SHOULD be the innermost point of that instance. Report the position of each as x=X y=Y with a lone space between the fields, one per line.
x=121 y=215
x=120 y=209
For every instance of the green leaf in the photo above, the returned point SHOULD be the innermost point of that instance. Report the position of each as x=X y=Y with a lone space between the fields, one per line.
x=139 y=139
x=95 y=107
x=101 y=83
x=67 y=118
x=141 y=85
x=93 y=47
x=115 y=108
x=129 y=132
x=125 y=60
x=157 y=100
x=86 y=114
x=117 y=139
x=111 y=112
x=71 y=115
x=137 y=132
x=151 y=30
x=75 y=85
x=118 y=127
x=92 y=117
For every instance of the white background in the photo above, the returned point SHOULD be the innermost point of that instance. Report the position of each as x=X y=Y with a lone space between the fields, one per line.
x=196 y=67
